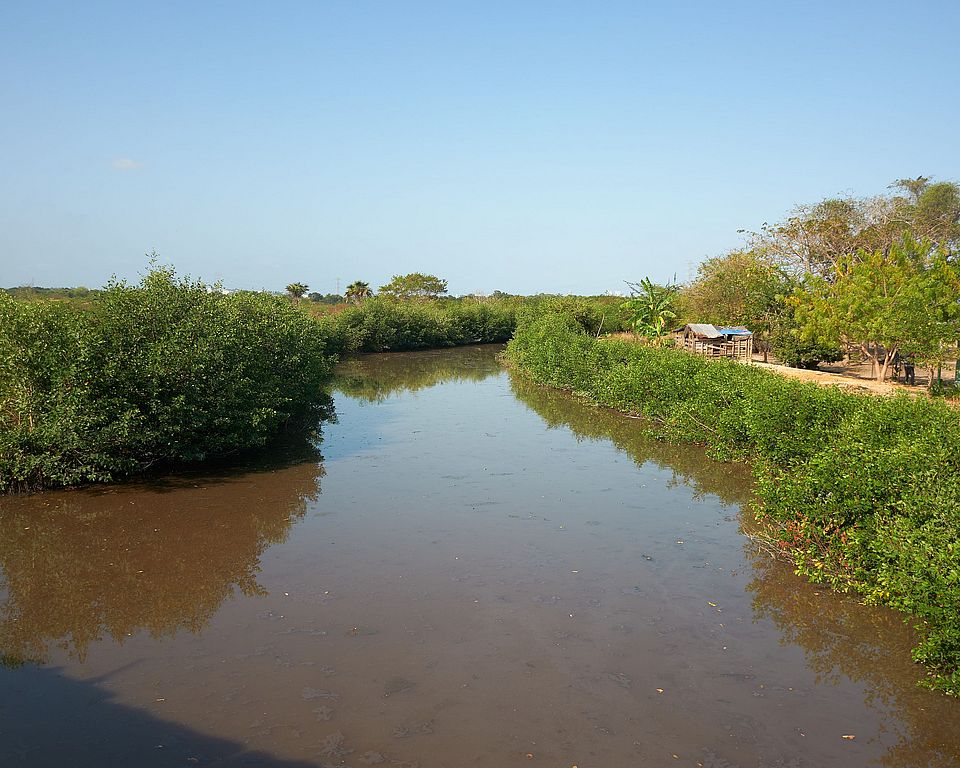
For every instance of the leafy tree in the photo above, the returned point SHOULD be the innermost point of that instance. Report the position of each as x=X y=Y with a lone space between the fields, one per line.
x=357 y=291
x=325 y=298
x=414 y=286
x=903 y=300
x=652 y=308
x=296 y=290
x=937 y=215
x=804 y=338
x=817 y=237
x=741 y=288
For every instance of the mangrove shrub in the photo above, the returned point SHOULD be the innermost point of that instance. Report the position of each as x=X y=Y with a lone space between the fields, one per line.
x=162 y=372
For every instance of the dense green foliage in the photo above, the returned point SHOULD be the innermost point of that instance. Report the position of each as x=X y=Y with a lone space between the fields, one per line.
x=384 y=324
x=162 y=372
x=170 y=371
x=79 y=296
x=651 y=308
x=862 y=492
x=378 y=325
x=902 y=299
x=416 y=285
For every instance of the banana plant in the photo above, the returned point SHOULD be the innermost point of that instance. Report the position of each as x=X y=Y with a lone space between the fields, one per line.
x=651 y=306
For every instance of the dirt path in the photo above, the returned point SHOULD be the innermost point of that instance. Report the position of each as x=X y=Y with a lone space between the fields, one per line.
x=838 y=379
x=853 y=377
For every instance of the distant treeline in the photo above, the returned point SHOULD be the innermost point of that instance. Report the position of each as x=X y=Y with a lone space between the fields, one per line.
x=382 y=324
x=37 y=293
x=861 y=492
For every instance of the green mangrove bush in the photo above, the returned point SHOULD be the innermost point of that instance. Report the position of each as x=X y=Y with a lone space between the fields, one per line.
x=385 y=324
x=162 y=372
x=861 y=492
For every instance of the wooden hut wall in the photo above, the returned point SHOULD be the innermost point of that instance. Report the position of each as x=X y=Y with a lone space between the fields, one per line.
x=739 y=347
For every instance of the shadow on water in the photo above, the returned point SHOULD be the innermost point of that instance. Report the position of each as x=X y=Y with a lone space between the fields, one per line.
x=55 y=717
x=375 y=378
x=77 y=566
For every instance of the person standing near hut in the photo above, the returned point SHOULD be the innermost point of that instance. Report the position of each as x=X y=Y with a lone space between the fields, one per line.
x=909 y=373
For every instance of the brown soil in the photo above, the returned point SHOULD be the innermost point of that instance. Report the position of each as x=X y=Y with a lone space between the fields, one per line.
x=853 y=376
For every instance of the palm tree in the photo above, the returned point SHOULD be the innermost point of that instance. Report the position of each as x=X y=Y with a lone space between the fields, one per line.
x=358 y=291
x=296 y=290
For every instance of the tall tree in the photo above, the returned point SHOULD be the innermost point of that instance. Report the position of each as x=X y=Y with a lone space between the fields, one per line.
x=937 y=215
x=913 y=187
x=815 y=238
x=744 y=287
x=296 y=290
x=357 y=291
x=416 y=285
x=904 y=300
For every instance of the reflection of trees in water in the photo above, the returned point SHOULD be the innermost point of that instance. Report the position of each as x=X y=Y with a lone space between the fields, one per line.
x=689 y=464
x=378 y=376
x=79 y=565
x=842 y=638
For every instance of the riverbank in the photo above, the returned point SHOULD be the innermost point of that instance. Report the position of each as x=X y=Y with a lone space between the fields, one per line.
x=859 y=492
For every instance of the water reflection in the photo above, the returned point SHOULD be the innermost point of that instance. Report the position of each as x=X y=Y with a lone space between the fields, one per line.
x=688 y=464
x=374 y=378
x=78 y=566
x=466 y=566
x=841 y=639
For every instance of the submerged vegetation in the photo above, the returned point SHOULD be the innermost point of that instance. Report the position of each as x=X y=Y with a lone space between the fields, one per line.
x=861 y=492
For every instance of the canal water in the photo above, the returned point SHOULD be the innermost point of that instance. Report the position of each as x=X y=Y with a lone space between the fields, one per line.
x=469 y=570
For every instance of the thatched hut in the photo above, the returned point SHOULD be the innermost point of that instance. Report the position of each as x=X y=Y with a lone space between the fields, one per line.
x=708 y=340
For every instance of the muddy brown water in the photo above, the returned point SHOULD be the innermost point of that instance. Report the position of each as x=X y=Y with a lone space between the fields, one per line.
x=477 y=572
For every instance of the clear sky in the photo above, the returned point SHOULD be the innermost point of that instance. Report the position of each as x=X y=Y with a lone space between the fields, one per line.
x=523 y=146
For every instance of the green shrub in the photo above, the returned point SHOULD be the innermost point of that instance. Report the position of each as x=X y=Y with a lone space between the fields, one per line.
x=798 y=352
x=382 y=324
x=862 y=492
x=163 y=372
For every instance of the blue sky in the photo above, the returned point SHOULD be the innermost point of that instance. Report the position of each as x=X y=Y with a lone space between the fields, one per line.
x=516 y=146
